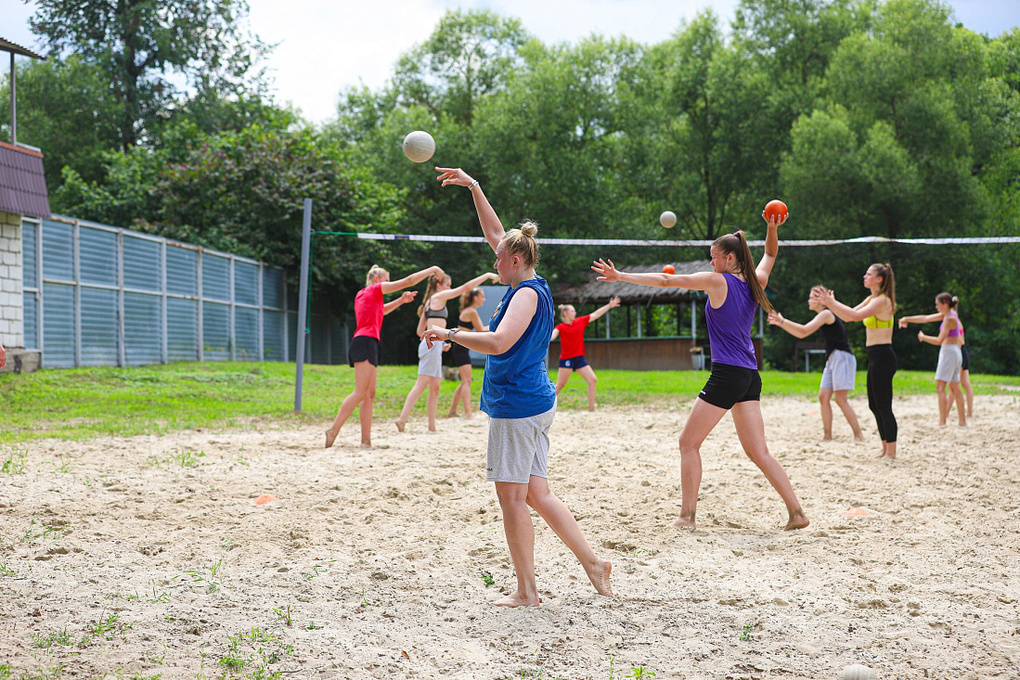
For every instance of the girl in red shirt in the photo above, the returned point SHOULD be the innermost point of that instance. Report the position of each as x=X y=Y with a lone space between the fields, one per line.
x=363 y=354
x=571 y=335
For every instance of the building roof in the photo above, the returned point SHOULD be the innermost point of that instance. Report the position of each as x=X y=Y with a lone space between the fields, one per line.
x=632 y=293
x=22 y=182
x=8 y=46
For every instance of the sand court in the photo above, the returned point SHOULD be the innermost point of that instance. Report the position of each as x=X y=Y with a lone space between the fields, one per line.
x=149 y=555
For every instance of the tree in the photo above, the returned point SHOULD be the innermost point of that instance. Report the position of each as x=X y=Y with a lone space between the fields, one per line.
x=140 y=44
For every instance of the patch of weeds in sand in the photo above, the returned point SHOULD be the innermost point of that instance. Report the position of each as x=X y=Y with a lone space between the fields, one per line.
x=64 y=466
x=283 y=614
x=258 y=650
x=316 y=571
x=5 y=671
x=187 y=459
x=5 y=571
x=59 y=637
x=157 y=594
x=228 y=544
x=745 y=634
x=214 y=581
x=636 y=672
x=13 y=462
x=313 y=626
x=487 y=579
x=33 y=532
x=51 y=674
x=107 y=628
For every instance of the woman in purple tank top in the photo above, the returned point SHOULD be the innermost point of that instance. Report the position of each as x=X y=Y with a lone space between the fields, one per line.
x=735 y=288
x=949 y=371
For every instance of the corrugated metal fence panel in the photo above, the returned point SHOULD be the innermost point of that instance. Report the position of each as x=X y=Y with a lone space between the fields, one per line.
x=246 y=334
x=182 y=329
x=58 y=251
x=272 y=336
x=97 y=256
x=31 y=317
x=215 y=331
x=272 y=288
x=143 y=328
x=181 y=270
x=58 y=325
x=29 y=242
x=99 y=327
x=215 y=277
x=143 y=266
x=246 y=283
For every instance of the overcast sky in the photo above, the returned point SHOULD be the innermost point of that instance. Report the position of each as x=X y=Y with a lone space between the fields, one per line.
x=326 y=46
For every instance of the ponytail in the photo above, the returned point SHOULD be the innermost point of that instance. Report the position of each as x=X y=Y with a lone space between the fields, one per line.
x=429 y=290
x=888 y=287
x=736 y=243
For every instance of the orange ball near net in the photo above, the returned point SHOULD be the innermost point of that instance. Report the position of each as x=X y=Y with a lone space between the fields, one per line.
x=774 y=208
x=668 y=269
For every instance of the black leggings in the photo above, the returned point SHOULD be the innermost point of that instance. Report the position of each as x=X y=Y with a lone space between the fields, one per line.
x=881 y=369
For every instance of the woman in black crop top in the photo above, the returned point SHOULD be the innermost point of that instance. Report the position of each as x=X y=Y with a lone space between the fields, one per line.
x=840 y=373
x=430 y=359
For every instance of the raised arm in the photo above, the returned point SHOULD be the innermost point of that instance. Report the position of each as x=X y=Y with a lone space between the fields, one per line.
x=613 y=302
x=764 y=268
x=919 y=318
x=555 y=334
x=407 y=296
x=798 y=330
x=949 y=325
x=444 y=295
x=706 y=281
x=492 y=228
x=869 y=307
x=410 y=280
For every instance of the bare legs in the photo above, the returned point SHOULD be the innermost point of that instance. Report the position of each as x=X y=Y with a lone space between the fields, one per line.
x=824 y=395
x=968 y=390
x=422 y=383
x=463 y=393
x=364 y=394
x=514 y=501
x=955 y=395
x=586 y=372
x=751 y=431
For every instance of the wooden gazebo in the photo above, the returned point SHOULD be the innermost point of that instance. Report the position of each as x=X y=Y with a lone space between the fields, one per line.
x=638 y=351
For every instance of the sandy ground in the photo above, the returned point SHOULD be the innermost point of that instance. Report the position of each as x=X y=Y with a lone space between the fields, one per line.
x=147 y=557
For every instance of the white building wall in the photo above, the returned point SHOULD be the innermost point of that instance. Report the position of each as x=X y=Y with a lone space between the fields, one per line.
x=12 y=323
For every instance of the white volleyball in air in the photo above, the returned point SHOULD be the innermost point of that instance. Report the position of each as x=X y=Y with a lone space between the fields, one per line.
x=419 y=146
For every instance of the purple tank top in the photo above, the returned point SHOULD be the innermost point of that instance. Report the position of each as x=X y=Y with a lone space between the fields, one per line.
x=729 y=327
x=953 y=332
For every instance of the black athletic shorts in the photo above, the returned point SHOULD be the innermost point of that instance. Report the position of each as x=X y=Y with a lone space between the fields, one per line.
x=729 y=385
x=966 y=358
x=459 y=355
x=363 y=348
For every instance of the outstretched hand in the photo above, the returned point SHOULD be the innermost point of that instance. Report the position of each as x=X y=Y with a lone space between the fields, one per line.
x=614 y=302
x=453 y=176
x=775 y=220
x=903 y=323
x=775 y=318
x=435 y=334
x=408 y=296
x=606 y=270
x=824 y=296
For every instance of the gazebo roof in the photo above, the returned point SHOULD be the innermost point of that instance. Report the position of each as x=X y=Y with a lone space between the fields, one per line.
x=632 y=293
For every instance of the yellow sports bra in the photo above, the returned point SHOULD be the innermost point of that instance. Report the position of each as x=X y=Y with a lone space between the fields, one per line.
x=875 y=322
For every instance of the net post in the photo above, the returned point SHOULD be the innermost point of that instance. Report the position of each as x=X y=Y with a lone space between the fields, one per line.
x=302 y=325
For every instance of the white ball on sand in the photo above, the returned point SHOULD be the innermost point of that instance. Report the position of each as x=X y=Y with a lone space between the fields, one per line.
x=858 y=672
x=667 y=219
x=419 y=146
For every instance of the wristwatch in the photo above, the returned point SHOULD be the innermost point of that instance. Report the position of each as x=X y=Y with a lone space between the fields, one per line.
x=453 y=331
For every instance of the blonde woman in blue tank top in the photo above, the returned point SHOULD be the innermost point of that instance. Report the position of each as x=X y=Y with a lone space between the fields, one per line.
x=520 y=400
x=735 y=289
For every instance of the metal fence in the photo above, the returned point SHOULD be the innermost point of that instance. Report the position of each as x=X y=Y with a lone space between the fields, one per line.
x=96 y=295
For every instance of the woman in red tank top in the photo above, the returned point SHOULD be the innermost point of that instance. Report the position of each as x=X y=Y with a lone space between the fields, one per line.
x=571 y=335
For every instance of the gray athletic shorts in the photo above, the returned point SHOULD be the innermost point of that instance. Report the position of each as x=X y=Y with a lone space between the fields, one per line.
x=950 y=363
x=840 y=372
x=430 y=361
x=518 y=448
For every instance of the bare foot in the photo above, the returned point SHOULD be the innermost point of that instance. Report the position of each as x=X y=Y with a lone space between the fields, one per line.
x=684 y=523
x=798 y=520
x=858 y=438
x=827 y=438
x=366 y=445
x=598 y=573
x=433 y=430
x=330 y=438
x=516 y=599
x=451 y=415
x=400 y=424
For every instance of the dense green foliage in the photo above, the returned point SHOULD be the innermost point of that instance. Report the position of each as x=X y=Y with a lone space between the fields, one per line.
x=868 y=117
x=84 y=403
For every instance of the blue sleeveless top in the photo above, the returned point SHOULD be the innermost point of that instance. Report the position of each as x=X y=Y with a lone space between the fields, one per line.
x=516 y=384
x=729 y=327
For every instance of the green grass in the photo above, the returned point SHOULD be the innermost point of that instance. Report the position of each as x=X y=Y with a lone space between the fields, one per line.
x=84 y=403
